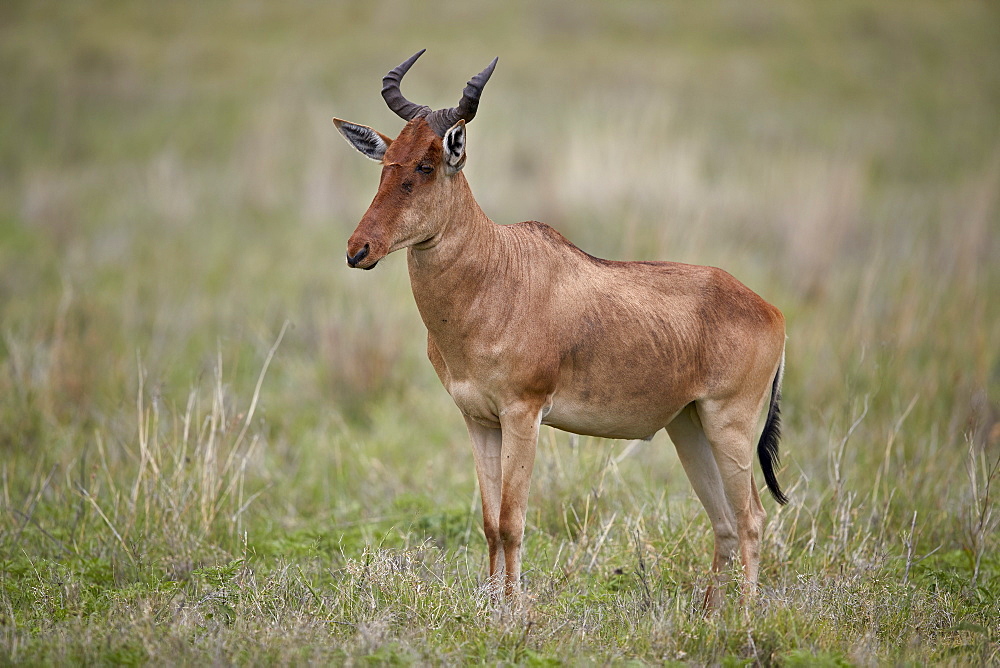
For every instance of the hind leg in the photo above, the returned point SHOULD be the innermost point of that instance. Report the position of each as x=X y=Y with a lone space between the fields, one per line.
x=730 y=426
x=698 y=460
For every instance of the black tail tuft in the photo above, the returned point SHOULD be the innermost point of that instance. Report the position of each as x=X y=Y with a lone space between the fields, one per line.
x=767 y=447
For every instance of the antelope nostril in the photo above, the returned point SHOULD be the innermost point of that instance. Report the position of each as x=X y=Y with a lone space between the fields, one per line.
x=353 y=260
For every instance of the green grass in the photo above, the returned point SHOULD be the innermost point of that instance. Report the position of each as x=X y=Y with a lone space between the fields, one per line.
x=184 y=478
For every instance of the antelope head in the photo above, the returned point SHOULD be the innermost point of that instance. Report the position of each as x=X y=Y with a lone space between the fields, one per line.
x=419 y=169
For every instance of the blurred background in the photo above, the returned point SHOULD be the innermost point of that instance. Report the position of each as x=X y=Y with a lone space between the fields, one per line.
x=172 y=191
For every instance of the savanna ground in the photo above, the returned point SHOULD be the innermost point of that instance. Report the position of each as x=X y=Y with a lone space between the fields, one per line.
x=220 y=445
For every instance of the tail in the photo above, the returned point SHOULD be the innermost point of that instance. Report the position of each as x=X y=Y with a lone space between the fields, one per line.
x=767 y=447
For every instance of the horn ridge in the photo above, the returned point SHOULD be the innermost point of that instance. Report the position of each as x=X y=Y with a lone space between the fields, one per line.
x=442 y=119
x=394 y=98
x=469 y=103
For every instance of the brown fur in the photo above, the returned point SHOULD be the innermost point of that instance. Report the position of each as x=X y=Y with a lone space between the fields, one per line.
x=524 y=329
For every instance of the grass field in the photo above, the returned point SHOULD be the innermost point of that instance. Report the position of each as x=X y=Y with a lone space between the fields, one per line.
x=220 y=445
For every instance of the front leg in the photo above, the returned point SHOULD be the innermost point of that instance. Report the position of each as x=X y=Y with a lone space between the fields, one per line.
x=520 y=438
x=486 y=444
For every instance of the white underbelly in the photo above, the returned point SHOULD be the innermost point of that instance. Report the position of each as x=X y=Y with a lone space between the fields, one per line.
x=590 y=420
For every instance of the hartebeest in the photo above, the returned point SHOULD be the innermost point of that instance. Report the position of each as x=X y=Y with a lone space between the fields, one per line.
x=525 y=329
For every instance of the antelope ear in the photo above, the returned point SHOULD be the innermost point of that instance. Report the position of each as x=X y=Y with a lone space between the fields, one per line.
x=454 y=148
x=371 y=143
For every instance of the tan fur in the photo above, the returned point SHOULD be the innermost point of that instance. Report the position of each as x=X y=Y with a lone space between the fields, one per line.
x=525 y=329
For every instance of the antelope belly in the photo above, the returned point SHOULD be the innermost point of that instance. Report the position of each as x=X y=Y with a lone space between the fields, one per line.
x=588 y=420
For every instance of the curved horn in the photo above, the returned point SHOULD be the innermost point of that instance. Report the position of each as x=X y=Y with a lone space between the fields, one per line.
x=394 y=98
x=442 y=119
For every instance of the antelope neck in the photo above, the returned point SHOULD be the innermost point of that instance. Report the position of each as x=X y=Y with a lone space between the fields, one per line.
x=466 y=253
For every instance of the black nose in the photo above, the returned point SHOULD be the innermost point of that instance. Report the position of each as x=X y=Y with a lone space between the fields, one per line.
x=352 y=260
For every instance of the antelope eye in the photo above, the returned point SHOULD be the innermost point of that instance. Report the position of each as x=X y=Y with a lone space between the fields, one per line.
x=425 y=168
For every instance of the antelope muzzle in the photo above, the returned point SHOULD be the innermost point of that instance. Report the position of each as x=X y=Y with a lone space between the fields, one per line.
x=356 y=259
